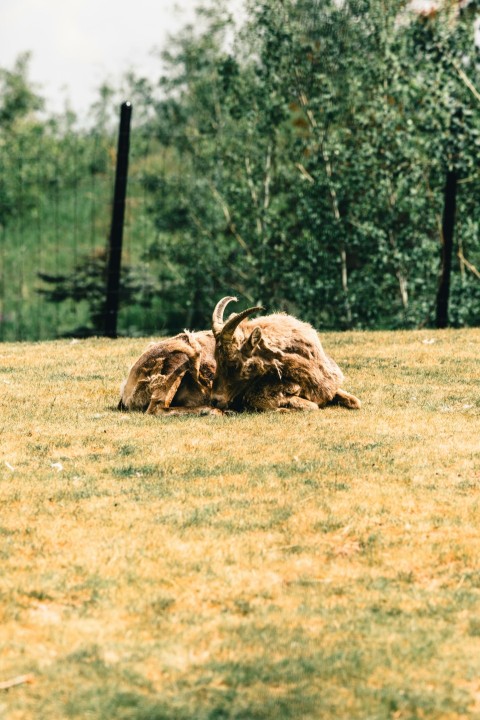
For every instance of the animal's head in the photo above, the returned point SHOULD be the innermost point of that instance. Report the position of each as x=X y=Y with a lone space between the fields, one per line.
x=240 y=353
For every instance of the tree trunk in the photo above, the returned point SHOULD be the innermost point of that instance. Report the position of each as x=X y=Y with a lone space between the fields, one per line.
x=448 y=226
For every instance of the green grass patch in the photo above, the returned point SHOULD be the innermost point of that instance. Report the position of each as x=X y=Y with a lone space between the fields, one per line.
x=254 y=567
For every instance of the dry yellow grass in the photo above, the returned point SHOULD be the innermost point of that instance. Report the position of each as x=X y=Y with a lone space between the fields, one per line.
x=322 y=565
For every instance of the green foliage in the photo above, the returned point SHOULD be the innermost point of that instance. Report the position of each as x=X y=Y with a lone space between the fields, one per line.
x=87 y=283
x=307 y=165
x=298 y=161
x=18 y=98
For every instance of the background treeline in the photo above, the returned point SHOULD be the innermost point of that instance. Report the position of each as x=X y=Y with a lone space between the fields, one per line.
x=299 y=161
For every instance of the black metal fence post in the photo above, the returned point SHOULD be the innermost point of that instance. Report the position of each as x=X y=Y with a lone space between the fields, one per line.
x=118 y=216
x=448 y=228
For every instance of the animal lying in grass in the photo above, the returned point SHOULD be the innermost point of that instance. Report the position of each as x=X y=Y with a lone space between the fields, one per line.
x=173 y=376
x=274 y=362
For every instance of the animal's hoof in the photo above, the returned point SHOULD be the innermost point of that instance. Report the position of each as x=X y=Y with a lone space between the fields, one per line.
x=211 y=411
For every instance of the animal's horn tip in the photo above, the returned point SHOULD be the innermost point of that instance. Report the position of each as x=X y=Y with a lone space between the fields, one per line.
x=217 y=318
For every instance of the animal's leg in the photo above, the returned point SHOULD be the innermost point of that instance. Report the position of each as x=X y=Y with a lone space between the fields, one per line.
x=347 y=400
x=164 y=388
x=294 y=402
x=279 y=397
x=203 y=410
x=261 y=398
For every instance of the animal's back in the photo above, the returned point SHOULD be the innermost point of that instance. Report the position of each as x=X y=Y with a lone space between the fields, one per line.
x=295 y=337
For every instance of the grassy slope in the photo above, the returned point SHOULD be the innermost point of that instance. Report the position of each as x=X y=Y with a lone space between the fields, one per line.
x=320 y=565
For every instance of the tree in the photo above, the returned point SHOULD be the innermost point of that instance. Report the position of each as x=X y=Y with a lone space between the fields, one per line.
x=18 y=97
x=312 y=159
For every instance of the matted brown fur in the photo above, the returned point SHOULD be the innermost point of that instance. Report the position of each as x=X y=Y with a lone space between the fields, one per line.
x=173 y=375
x=275 y=362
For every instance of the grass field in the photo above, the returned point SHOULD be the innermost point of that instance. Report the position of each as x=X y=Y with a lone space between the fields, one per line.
x=322 y=565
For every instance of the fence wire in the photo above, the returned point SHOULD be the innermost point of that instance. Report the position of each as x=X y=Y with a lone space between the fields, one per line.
x=55 y=215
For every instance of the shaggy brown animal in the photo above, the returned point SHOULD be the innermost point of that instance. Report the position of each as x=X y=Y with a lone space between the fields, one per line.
x=172 y=376
x=274 y=362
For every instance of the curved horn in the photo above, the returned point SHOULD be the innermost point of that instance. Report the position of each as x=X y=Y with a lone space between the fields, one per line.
x=234 y=321
x=223 y=331
x=217 y=318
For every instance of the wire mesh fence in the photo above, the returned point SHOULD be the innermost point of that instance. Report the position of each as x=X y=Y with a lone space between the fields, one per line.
x=55 y=215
